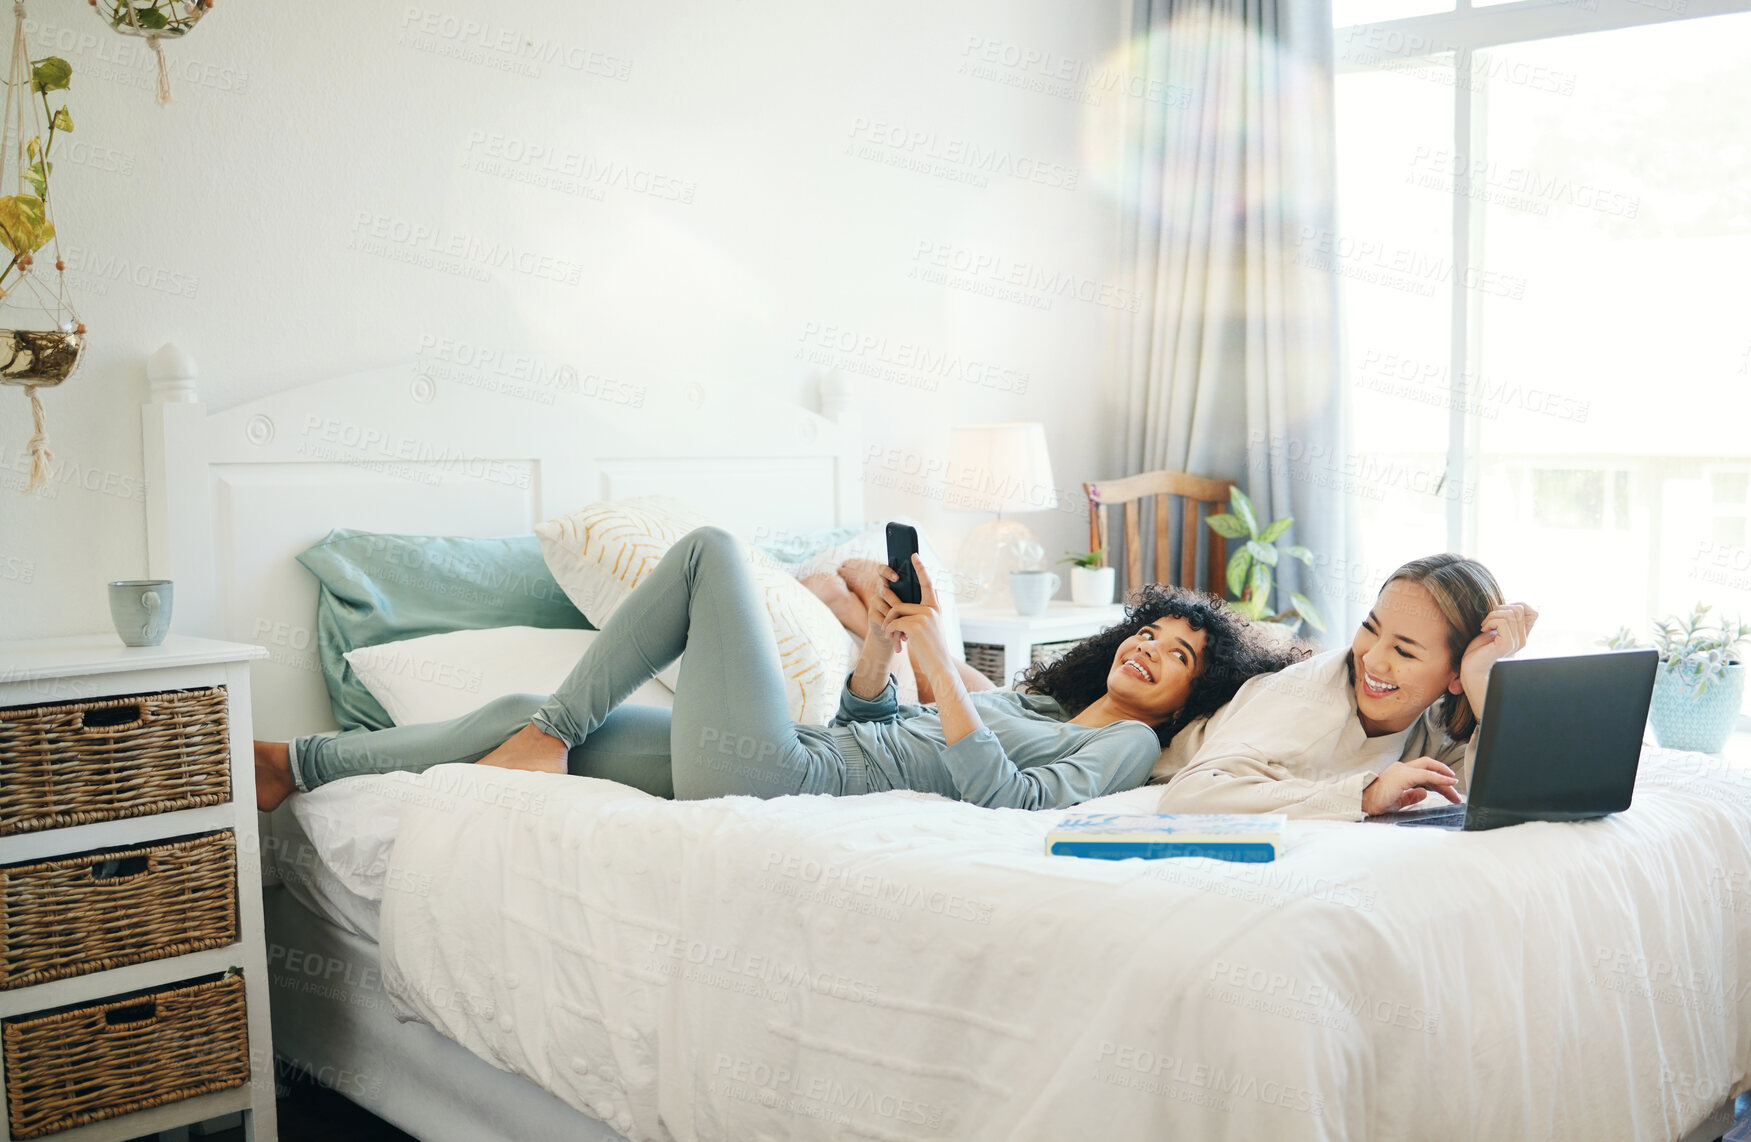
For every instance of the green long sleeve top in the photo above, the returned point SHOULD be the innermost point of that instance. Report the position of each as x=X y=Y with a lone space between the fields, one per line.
x=1028 y=755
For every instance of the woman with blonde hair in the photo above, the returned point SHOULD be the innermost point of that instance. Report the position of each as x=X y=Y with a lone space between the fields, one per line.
x=1367 y=729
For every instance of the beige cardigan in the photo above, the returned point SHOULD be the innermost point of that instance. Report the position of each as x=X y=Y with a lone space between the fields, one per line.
x=1291 y=742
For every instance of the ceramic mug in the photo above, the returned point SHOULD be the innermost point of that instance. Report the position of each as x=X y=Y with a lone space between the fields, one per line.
x=1032 y=590
x=140 y=609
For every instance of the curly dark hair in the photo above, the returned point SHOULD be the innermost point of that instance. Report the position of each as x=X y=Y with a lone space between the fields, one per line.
x=1234 y=650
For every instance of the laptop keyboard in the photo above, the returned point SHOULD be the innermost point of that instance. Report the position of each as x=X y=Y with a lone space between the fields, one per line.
x=1446 y=817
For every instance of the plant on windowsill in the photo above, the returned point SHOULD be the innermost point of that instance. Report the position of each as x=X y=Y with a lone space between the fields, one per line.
x=1091 y=580
x=1252 y=568
x=1701 y=682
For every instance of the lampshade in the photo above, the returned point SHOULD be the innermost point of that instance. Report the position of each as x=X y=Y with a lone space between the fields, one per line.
x=999 y=468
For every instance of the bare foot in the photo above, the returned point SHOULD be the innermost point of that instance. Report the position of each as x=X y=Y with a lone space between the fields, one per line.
x=273 y=775
x=530 y=749
x=846 y=607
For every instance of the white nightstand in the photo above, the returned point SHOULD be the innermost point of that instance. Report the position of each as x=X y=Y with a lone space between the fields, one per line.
x=1001 y=644
x=43 y=671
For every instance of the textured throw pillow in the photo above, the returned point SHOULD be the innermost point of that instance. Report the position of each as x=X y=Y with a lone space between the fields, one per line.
x=444 y=676
x=377 y=588
x=600 y=553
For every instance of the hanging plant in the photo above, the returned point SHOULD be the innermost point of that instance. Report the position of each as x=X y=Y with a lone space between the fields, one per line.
x=156 y=20
x=41 y=338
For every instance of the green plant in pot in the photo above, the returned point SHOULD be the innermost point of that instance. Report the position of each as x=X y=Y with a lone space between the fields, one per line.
x=1091 y=580
x=1252 y=568
x=1700 y=685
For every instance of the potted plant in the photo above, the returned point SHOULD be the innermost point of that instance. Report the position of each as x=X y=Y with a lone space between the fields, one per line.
x=1700 y=685
x=1251 y=569
x=1091 y=580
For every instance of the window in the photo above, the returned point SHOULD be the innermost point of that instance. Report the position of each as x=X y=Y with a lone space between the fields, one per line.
x=1577 y=189
x=1568 y=498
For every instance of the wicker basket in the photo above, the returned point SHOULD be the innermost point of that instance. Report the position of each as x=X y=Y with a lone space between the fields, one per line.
x=125 y=1054
x=71 y=915
x=72 y=763
x=987 y=657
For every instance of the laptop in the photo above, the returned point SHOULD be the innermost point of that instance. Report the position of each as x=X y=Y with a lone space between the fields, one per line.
x=1559 y=741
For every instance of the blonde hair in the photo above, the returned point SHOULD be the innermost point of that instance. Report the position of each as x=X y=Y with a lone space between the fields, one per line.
x=1465 y=593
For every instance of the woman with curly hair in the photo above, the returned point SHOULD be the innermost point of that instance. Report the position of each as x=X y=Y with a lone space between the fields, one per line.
x=1234 y=653
x=1091 y=725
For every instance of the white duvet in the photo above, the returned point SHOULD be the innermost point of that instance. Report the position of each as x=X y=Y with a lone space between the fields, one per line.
x=898 y=966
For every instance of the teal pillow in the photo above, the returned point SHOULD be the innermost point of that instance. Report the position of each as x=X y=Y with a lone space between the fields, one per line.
x=802 y=548
x=379 y=588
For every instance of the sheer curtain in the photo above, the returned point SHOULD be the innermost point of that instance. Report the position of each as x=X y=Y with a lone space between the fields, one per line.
x=1230 y=368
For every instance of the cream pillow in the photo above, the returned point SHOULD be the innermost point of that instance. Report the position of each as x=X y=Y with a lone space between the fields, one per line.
x=600 y=553
x=444 y=676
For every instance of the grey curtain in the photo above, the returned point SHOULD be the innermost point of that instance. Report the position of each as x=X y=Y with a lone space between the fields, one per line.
x=1230 y=367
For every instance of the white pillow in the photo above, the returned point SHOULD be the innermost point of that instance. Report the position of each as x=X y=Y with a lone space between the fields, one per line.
x=872 y=543
x=444 y=676
x=600 y=553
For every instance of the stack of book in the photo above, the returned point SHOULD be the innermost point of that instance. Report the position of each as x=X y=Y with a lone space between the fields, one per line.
x=1250 y=838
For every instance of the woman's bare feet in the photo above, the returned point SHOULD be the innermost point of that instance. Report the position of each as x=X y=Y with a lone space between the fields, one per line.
x=846 y=607
x=530 y=749
x=273 y=775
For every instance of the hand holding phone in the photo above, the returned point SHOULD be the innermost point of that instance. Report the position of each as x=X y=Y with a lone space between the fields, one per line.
x=902 y=546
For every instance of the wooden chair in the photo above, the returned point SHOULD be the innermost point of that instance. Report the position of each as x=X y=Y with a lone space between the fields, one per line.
x=1192 y=491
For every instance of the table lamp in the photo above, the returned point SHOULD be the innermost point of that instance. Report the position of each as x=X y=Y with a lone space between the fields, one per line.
x=998 y=468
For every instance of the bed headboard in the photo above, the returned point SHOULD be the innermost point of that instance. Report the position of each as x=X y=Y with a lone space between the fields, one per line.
x=233 y=495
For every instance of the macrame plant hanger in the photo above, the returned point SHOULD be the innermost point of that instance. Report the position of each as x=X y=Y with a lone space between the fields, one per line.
x=149 y=20
x=35 y=358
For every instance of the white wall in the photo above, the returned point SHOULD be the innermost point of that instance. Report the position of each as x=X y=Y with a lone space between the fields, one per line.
x=333 y=193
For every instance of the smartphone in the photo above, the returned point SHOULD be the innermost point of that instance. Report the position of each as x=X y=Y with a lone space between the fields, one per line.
x=902 y=545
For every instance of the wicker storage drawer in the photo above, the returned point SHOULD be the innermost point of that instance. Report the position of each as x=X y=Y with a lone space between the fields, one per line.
x=987 y=657
x=79 y=1065
x=70 y=915
x=73 y=763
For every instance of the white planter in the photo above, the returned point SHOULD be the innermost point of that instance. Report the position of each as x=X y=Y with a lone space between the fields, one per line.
x=1092 y=586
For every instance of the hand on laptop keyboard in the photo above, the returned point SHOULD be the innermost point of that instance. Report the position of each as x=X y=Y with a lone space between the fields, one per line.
x=1404 y=783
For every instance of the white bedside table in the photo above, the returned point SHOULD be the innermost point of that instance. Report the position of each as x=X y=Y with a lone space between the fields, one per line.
x=1001 y=644
x=45 y=671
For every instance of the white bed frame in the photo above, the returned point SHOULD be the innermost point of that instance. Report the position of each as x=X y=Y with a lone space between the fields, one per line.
x=234 y=495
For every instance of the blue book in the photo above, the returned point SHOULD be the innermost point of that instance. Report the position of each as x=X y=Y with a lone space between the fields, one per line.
x=1252 y=838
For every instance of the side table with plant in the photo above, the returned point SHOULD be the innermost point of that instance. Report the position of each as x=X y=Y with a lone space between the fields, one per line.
x=1700 y=685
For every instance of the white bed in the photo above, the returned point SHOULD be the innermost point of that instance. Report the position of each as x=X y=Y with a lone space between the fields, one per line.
x=1540 y=1048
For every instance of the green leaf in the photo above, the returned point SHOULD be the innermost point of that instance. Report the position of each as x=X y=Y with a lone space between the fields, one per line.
x=1305 y=608
x=1263 y=552
x=51 y=74
x=38 y=177
x=1275 y=531
x=34 y=148
x=1227 y=526
x=1238 y=567
x=23 y=227
x=1244 y=509
x=1260 y=591
x=1299 y=552
x=150 y=18
x=1248 y=608
x=63 y=121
